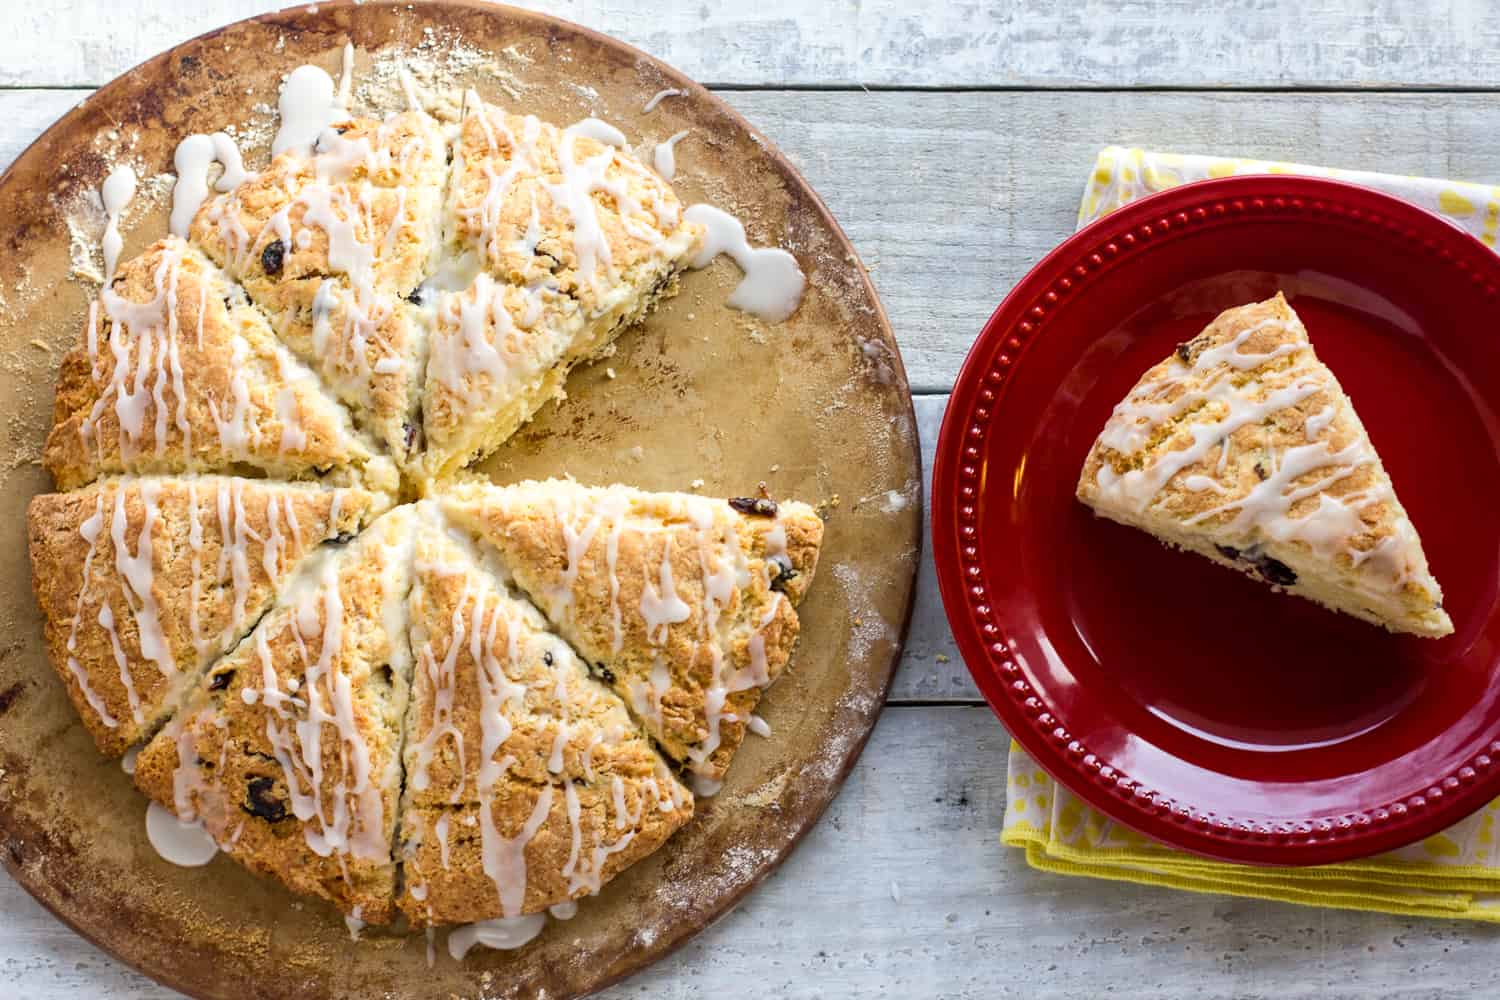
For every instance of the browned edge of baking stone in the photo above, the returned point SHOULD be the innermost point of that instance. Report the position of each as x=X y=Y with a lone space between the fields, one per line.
x=70 y=824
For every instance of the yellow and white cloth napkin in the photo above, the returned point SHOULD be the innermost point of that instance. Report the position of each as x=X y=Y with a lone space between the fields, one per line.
x=1452 y=874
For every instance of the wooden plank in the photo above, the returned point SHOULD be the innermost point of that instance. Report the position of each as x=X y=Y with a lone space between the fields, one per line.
x=904 y=890
x=894 y=43
x=951 y=198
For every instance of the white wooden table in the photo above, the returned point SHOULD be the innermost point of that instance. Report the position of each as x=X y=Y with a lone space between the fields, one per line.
x=929 y=127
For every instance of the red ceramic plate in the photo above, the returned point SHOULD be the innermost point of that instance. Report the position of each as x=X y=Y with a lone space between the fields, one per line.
x=1180 y=698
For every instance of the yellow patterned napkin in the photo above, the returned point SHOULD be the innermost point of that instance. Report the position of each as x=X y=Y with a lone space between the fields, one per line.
x=1452 y=874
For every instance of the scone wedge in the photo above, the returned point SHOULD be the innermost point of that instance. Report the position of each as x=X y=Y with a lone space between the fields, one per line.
x=1242 y=447
x=581 y=240
x=144 y=582
x=176 y=372
x=684 y=605
x=289 y=752
x=527 y=782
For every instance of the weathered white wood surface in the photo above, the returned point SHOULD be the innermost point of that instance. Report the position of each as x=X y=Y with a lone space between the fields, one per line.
x=951 y=197
x=896 y=43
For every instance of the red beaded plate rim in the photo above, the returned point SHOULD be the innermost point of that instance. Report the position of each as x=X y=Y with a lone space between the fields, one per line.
x=998 y=357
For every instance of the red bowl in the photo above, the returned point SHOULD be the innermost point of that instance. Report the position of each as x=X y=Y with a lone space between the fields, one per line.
x=1177 y=697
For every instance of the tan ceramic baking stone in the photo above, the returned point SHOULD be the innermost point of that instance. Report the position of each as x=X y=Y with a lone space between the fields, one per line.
x=818 y=408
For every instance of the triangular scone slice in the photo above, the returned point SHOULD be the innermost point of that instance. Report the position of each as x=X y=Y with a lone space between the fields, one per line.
x=144 y=582
x=558 y=211
x=543 y=205
x=1242 y=447
x=177 y=373
x=289 y=752
x=527 y=782
x=683 y=604
x=329 y=245
x=365 y=205
x=498 y=352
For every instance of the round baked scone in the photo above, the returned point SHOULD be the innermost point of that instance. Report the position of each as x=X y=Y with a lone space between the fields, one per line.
x=684 y=605
x=176 y=373
x=145 y=582
x=527 y=783
x=1241 y=446
x=474 y=708
x=289 y=751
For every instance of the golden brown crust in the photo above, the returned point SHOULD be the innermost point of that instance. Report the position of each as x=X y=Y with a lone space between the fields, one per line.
x=217 y=551
x=490 y=737
x=1243 y=446
x=176 y=373
x=330 y=659
x=672 y=593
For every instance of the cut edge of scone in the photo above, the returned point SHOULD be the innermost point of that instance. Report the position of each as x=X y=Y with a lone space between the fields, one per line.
x=247 y=722
x=1242 y=447
x=576 y=792
x=612 y=304
x=115 y=668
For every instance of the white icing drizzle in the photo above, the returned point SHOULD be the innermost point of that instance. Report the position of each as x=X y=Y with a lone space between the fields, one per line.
x=599 y=131
x=441 y=829
x=346 y=819
x=127 y=762
x=1264 y=512
x=193 y=157
x=665 y=156
x=409 y=88
x=585 y=871
x=1319 y=422
x=118 y=189
x=89 y=530
x=137 y=574
x=773 y=282
x=505 y=857
x=307 y=105
x=759 y=726
x=658 y=97
x=566 y=910
x=660 y=606
x=186 y=844
x=505 y=933
x=346 y=75
x=146 y=363
x=354 y=921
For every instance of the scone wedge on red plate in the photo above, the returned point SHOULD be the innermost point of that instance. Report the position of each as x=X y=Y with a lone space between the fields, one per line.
x=1241 y=446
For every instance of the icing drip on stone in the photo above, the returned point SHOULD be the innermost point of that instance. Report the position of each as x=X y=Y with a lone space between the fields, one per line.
x=773 y=283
